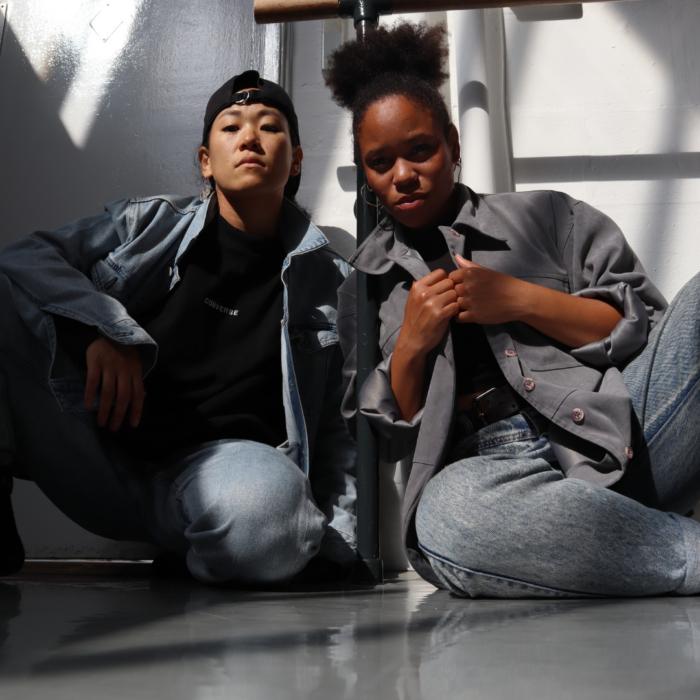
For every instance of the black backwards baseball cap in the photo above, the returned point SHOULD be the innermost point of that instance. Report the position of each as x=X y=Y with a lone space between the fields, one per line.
x=238 y=91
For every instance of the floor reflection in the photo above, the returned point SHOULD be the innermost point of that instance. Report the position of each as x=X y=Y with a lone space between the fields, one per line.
x=109 y=639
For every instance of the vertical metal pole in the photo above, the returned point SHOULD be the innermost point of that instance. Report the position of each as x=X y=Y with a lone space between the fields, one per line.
x=367 y=360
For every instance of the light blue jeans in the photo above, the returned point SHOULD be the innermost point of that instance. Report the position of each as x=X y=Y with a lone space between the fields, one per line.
x=238 y=510
x=502 y=521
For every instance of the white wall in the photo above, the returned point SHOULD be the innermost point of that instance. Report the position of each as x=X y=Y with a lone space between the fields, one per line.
x=605 y=107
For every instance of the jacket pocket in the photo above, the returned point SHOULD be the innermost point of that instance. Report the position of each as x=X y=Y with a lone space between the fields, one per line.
x=556 y=367
x=310 y=339
x=541 y=358
x=312 y=349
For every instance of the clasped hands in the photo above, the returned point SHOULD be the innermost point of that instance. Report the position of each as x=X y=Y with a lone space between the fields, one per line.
x=471 y=294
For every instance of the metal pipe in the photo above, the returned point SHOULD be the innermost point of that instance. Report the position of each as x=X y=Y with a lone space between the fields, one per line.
x=367 y=360
x=267 y=11
x=366 y=16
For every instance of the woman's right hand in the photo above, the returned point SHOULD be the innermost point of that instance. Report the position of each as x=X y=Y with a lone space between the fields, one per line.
x=117 y=368
x=431 y=303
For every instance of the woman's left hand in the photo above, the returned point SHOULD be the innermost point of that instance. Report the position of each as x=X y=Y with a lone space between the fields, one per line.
x=486 y=296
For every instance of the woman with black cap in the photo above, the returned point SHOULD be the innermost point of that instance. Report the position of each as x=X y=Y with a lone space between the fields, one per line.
x=195 y=318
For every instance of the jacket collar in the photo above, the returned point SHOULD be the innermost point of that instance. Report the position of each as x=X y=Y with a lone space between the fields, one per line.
x=387 y=245
x=297 y=233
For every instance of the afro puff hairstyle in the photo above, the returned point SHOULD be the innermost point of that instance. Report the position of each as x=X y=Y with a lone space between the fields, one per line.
x=407 y=59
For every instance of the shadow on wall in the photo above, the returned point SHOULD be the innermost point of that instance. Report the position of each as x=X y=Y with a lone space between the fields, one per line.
x=661 y=98
x=146 y=127
x=145 y=123
x=548 y=14
x=655 y=166
x=340 y=240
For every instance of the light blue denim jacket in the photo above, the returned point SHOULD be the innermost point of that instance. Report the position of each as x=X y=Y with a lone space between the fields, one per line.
x=102 y=269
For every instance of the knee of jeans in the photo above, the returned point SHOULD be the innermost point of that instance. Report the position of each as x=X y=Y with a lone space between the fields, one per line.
x=438 y=524
x=262 y=530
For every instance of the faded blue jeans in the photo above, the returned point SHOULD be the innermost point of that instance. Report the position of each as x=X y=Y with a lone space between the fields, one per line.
x=502 y=521
x=238 y=510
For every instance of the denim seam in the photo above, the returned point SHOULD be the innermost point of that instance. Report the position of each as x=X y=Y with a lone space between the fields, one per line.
x=185 y=514
x=496 y=442
x=513 y=437
x=306 y=532
x=662 y=325
x=447 y=561
x=158 y=198
x=345 y=535
x=683 y=397
x=692 y=566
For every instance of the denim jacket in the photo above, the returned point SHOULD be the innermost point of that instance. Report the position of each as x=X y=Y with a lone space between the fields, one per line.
x=103 y=269
x=546 y=238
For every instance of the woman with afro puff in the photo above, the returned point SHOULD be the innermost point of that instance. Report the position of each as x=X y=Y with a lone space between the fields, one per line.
x=547 y=393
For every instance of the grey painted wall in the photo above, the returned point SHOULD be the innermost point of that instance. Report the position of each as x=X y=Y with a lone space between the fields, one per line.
x=84 y=121
x=148 y=82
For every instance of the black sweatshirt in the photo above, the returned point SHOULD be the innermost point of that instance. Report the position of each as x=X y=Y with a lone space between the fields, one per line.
x=219 y=369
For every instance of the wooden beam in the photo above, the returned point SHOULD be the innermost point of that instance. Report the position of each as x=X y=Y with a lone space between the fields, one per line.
x=269 y=11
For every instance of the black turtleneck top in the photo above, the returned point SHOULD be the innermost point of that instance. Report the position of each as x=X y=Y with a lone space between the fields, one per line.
x=475 y=365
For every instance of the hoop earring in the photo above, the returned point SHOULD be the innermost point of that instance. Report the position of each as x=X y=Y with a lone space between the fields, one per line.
x=362 y=194
x=458 y=164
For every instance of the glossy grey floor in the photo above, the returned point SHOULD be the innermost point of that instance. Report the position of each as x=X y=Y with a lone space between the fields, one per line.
x=91 y=638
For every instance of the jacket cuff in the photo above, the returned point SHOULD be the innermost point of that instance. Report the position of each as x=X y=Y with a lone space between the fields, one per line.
x=378 y=404
x=75 y=338
x=629 y=334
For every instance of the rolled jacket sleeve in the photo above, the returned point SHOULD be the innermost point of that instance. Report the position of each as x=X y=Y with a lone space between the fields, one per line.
x=629 y=334
x=54 y=272
x=603 y=265
x=396 y=437
x=378 y=404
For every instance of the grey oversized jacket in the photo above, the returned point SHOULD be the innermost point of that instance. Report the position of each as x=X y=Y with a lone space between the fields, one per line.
x=546 y=238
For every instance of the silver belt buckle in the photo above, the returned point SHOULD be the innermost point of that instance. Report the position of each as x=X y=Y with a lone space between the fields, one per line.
x=480 y=413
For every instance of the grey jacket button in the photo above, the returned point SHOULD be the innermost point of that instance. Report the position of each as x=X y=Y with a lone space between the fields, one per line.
x=529 y=384
x=511 y=353
x=578 y=415
x=629 y=452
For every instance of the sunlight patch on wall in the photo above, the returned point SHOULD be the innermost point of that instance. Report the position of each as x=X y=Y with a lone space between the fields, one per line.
x=578 y=74
x=79 y=39
x=100 y=56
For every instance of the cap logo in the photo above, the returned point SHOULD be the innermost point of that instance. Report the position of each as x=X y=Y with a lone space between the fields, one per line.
x=240 y=97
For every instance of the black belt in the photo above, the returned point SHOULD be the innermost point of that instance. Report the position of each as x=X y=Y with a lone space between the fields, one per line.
x=493 y=405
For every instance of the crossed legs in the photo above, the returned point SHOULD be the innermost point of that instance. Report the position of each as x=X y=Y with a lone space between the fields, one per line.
x=238 y=510
x=504 y=522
